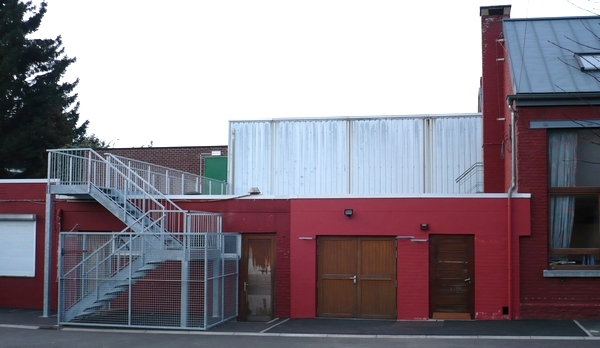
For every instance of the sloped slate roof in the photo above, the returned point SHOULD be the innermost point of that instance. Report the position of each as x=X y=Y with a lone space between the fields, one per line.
x=541 y=54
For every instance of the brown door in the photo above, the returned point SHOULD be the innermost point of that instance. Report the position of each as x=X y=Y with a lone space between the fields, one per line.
x=257 y=277
x=451 y=277
x=356 y=277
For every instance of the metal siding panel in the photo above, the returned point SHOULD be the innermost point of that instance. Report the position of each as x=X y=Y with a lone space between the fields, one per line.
x=365 y=156
x=386 y=156
x=457 y=146
x=251 y=156
x=311 y=157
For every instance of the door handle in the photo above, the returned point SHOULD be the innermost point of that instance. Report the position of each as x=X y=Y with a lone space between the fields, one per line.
x=353 y=279
x=468 y=280
x=245 y=285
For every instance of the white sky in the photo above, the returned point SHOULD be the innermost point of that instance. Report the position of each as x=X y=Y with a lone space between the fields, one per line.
x=175 y=72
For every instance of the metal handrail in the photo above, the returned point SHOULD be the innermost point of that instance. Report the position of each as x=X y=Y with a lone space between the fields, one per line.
x=167 y=175
x=472 y=168
x=150 y=187
x=114 y=237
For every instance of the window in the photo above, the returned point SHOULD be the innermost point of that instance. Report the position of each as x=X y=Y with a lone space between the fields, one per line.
x=574 y=161
x=588 y=61
x=17 y=246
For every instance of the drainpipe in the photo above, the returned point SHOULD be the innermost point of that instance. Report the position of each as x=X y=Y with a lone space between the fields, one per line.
x=511 y=189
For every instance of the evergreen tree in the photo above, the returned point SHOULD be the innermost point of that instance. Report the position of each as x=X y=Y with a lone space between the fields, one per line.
x=37 y=110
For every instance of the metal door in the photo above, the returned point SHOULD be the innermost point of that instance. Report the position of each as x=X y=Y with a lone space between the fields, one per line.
x=257 y=277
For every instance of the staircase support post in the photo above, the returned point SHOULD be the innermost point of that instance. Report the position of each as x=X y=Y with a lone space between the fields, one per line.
x=47 y=253
x=47 y=241
x=185 y=277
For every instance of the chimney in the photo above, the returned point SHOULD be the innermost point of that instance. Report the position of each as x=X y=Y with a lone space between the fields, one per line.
x=502 y=10
x=493 y=95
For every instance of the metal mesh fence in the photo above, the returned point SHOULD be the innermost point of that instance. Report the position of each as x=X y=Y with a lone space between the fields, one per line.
x=127 y=279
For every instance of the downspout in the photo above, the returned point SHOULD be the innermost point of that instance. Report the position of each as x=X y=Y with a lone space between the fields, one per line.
x=511 y=189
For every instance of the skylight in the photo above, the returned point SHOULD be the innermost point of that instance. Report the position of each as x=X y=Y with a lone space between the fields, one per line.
x=588 y=61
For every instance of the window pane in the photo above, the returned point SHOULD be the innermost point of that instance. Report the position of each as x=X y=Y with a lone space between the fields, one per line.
x=574 y=225
x=585 y=224
x=574 y=157
x=588 y=157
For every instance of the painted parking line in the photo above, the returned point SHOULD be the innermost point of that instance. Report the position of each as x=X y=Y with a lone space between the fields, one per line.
x=583 y=328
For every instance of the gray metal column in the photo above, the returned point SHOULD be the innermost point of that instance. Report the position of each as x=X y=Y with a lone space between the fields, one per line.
x=47 y=253
x=48 y=243
x=185 y=277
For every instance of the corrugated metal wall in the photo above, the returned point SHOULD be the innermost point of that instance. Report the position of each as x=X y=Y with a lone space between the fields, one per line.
x=363 y=156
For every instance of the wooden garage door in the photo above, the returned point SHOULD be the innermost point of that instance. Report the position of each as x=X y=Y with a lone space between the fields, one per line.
x=451 y=277
x=356 y=277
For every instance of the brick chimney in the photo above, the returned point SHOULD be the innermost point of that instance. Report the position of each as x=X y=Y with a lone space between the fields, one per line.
x=493 y=104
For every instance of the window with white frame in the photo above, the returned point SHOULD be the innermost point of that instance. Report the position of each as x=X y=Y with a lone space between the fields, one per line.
x=574 y=180
x=17 y=245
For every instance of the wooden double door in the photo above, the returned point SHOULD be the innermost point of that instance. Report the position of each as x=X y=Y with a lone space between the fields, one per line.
x=451 y=277
x=356 y=277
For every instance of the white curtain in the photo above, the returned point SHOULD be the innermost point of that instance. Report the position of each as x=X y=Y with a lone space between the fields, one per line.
x=562 y=151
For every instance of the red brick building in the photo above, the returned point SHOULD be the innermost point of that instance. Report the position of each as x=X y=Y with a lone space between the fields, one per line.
x=525 y=248
x=541 y=108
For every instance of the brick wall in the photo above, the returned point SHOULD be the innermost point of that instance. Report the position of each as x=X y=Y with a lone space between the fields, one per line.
x=547 y=297
x=493 y=104
x=187 y=159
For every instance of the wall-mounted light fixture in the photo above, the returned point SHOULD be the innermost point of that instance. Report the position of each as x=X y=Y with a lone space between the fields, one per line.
x=424 y=227
x=348 y=212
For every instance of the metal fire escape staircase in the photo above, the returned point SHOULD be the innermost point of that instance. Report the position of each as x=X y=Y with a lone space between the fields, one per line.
x=156 y=229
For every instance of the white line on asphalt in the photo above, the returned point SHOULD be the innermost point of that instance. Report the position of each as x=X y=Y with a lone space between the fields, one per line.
x=583 y=328
x=28 y=327
x=212 y=333
x=269 y=328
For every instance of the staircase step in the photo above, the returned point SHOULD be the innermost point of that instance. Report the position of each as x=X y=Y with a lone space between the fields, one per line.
x=108 y=297
x=93 y=308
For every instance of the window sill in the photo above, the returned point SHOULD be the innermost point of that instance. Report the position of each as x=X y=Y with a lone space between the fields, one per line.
x=575 y=273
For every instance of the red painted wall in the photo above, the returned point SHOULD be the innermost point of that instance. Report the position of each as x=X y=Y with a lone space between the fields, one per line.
x=485 y=218
x=25 y=197
x=239 y=215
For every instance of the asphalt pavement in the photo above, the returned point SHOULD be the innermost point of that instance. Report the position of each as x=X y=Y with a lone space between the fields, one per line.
x=585 y=329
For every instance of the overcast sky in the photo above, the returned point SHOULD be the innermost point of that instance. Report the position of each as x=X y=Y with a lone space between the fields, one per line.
x=174 y=73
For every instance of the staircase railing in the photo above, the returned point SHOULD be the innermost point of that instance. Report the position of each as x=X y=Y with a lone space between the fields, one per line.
x=154 y=225
x=117 y=183
x=116 y=243
x=171 y=181
x=471 y=180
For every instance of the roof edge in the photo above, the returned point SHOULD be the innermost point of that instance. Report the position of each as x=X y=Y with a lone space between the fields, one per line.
x=555 y=99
